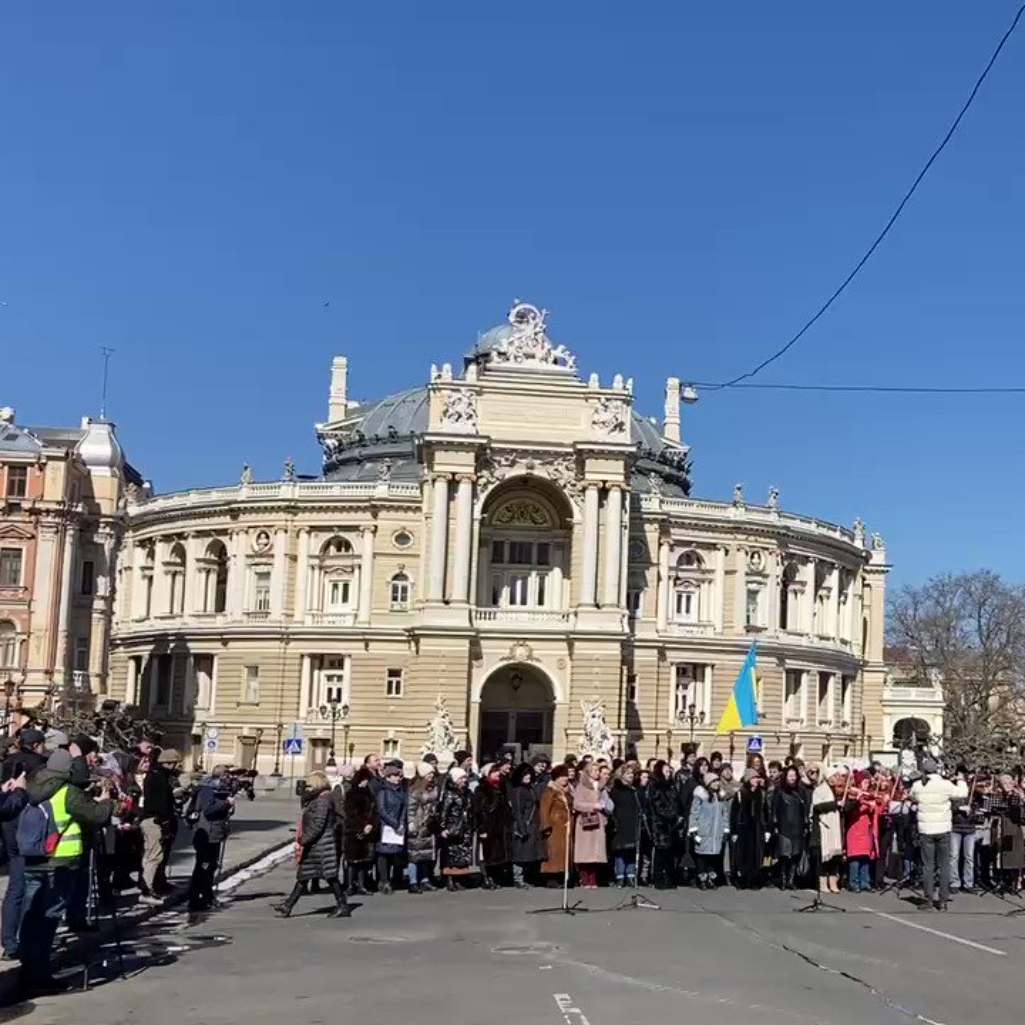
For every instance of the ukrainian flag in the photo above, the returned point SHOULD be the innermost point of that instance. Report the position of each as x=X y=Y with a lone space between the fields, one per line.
x=742 y=708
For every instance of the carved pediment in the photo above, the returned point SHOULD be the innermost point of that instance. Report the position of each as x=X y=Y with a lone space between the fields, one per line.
x=15 y=532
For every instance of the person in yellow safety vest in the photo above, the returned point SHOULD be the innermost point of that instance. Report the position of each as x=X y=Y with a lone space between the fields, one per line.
x=48 y=880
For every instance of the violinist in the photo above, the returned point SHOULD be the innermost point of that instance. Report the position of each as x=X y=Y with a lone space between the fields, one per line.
x=933 y=795
x=963 y=838
x=862 y=837
x=1008 y=809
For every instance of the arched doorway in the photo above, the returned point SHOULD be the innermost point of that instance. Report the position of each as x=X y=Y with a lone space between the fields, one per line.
x=517 y=712
x=911 y=733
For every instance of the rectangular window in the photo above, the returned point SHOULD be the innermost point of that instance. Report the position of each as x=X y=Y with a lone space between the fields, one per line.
x=633 y=602
x=542 y=589
x=338 y=594
x=498 y=552
x=399 y=593
x=686 y=689
x=81 y=654
x=519 y=589
x=391 y=747
x=847 y=699
x=793 y=695
x=496 y=591
x=631 y=688
x=754 y=606
x=251 y=686
x=17 y=481
x=687 y=606
x=10 y=567
x=88 y=571
x=393 y=683
x=825 y=698
x=521 y=553
x=544 y=553
x=261 y=591
x=334 y=681
x=162 y=689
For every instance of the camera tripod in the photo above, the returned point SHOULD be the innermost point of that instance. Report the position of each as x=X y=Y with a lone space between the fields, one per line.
x=94 y=905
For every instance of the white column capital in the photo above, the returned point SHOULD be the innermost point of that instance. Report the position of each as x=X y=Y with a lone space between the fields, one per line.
x=368 y=528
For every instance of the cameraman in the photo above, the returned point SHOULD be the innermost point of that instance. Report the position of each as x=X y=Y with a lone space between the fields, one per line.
x=214 y=804
x=159 y=823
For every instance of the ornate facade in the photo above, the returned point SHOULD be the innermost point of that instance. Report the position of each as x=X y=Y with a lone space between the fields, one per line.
x=512 y=543
x=62 y=513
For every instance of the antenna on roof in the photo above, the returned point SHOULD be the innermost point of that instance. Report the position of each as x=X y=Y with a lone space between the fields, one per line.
x=107 y=353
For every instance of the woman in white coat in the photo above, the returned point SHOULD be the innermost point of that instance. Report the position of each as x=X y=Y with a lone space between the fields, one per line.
x=827 y=833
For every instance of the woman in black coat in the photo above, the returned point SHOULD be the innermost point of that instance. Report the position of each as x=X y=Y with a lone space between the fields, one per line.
x=663 y=823
x=791 y=823
x=749 y=822
x=528 y=849
x=361 y=825
x=318 y=846
x=456 y=830
x=494 y=827
x=625 y=825
x=422 y=819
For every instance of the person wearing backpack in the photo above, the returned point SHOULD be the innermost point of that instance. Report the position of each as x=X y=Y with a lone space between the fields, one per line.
x=24 y=762
x=49 y=836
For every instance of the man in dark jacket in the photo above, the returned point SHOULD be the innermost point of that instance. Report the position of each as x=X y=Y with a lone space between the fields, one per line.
x=215 y=805
x=159 y=824
x=23 y=762
x=48 y=878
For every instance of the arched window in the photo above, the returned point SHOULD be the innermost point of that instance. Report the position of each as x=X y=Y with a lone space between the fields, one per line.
x=174 y=567
x=338 y=591
x=399 y=596
x=691 y=594
x=213 y=569
x=148 y=557
x=8 y=645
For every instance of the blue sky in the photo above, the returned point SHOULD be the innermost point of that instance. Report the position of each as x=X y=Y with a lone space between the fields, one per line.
x=679 y=184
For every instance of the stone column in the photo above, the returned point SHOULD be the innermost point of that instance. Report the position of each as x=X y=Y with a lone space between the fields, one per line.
x=740 y=591
x=195 y=581
x=304 y=685
x=278 y=581
x=62 y=663
x=589 y=566
x=464 y=536
x=662 y=593
x=237 y=575
x=366 y=574
x=809 y=598
x=302 y=572
x=719 y=590
x=613 y=544
x=439 y=539
x=832 y=627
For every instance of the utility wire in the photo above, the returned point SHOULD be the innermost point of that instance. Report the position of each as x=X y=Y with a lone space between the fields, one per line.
x=889 y=224
x=895 y=389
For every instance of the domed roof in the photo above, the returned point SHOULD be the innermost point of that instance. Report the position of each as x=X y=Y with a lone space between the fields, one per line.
x=381 y=441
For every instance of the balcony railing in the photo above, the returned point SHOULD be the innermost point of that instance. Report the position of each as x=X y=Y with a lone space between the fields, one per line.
x=81 y=681
x=536 y=618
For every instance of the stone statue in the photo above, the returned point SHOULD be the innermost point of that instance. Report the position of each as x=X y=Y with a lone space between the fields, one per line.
x=877 y=542
x=609 y=418
x=246 y=477
x=527 y=344
x=460 y=412
x=289 y=472
x=773 y=498
x=441 y=736
x=595 y=737
x=859 y=532
x=384 y=470
x=738 y=494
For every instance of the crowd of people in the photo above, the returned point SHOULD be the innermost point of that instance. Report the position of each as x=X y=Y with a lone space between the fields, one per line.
x=79 y=825
x=592 y=822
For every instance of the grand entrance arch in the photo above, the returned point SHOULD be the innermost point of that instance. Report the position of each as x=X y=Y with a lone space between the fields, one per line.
x=517 y=711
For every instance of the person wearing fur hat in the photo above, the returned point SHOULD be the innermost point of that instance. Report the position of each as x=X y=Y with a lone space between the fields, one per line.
x=527 y=846
x=318 y=847
x=361 y=827
x=556 y=814
x=456 y=830
x=705 y=826
x=392 y=809
x=423 y=826
x=749 y=826
x=827 y=834
x=541 y=769
x=663 y=819
x=493 y=818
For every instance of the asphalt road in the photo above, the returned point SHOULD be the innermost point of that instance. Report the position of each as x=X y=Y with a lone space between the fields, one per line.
x=477 y=957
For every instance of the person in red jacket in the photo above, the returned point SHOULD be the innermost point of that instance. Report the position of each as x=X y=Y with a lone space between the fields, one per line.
x=862 y=836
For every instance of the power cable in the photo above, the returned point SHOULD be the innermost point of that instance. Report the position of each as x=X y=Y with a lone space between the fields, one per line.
x=886 y=389
x=889 y=224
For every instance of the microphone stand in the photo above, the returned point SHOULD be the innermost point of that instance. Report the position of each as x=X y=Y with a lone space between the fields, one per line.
x=639 y=899
x=565 y=907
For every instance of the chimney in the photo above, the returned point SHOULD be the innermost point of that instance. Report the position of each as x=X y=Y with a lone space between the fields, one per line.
x=671 y=424
x=339 y=389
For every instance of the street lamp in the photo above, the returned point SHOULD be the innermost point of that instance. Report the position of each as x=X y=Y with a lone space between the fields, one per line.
x=693 y=718
x=336 y=712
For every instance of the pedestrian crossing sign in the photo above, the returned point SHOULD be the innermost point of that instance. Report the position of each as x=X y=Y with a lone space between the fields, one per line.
x=294 y=746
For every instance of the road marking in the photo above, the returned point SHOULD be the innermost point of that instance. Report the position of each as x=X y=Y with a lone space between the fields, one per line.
x=569 y=1012
x=937 y=932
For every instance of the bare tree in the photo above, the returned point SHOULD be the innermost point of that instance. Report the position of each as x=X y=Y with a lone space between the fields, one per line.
x=970 y=629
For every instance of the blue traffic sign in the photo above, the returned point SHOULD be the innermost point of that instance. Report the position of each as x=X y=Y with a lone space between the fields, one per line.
x=754 y=745
x=294 y=746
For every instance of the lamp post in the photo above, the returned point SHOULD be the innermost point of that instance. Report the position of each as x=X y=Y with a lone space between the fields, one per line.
x=9 y=690
x=336 y=713
x=693 y=718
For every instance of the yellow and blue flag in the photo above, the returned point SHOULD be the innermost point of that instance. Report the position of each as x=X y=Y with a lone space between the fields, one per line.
x=742 y=708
